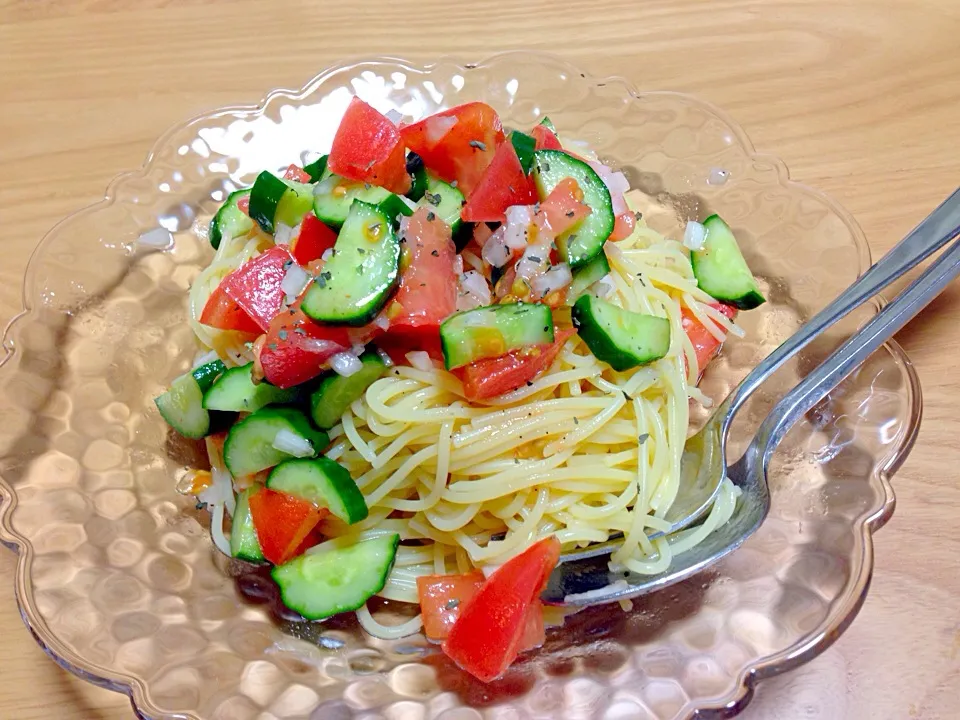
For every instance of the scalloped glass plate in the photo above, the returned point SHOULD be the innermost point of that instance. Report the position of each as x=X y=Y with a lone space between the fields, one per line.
x=118 y=579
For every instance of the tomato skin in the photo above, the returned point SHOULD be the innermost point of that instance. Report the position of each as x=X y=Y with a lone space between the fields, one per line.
x=546 y=139
x=562 y=209
x=368 y=148
x=496 y=376
x=295 y=172
x=296 y=348
x=223 y=313
x=255 y=285
x=282 y=522
x=463 y=151
x=441 y=597
x=314 y=239
x=486 y=637
x=704 y=343
x=428 y=282
x=502 y=184
x=623 y=226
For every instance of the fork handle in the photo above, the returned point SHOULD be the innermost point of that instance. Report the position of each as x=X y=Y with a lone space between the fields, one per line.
x=925 y=239
x=891 y=318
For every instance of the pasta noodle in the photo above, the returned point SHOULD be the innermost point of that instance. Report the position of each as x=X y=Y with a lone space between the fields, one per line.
x=582 y=452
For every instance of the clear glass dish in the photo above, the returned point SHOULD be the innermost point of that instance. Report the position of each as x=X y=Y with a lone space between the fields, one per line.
x=118 y=579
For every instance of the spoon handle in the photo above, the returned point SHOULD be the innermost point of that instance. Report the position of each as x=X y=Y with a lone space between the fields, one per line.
x=891 y=318
x=925 y=239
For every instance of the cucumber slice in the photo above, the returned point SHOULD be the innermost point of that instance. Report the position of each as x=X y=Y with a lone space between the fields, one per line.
x=334 y=196
x=358 y=279
x=230 y=221
x=418 y=176
x=317 y=169
x=323 y=482
x=335 y=392
x=249 y=448
x=582 y=243
x=587 y=275
x=182 y=405
x=331 y=580
x=548 y=123
x=243 y=537
x=525 y=145
x=235 y=391
x=273 y=200
x=492 y=331
x=621 y=338
x=721 y=270
x=446 y=201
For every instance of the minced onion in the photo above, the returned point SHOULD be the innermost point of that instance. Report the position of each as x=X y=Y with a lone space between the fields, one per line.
x=495 y=250
x=385 y=356
x=517 y=227
x=535 y=261
x=458 y=264
x=313 y=345
x=474 y=291
x=327 y=254
x=207 y=357
x=216 y=531
x=382 y=322
x=694 y=234
x=345 y=364
x=289 y=442
x=438 y=126
x=295 y=279
x=283 y=234
x=605 y=286
x=556 y=278
x=394 y=116
x=420 y=360
x=616 y=183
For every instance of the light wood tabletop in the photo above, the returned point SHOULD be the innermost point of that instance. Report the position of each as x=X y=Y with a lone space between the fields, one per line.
x=861 y=98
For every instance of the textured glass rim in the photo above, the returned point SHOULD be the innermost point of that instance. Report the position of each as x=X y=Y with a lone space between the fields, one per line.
x=814 y=643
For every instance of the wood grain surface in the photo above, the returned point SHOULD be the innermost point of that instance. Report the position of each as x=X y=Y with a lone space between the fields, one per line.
x=861 y=98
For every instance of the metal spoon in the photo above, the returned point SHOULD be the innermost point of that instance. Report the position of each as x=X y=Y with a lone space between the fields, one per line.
x=704 y=461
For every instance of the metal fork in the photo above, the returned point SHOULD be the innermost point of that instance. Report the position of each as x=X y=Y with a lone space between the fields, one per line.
x=704 y=462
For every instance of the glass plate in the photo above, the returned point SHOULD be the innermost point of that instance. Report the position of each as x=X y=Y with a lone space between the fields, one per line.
x=118 y=579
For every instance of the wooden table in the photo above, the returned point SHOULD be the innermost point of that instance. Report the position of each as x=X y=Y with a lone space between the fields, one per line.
x=859 y=97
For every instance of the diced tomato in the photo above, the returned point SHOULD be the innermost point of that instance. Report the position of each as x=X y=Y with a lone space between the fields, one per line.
x=255 y=287
x=282 y=522
x=243 y=204
x=428 y=282
x=534 y=633
x=296 y=348
x=623 y=226
x=315 y=238
x=546 y=139
x=563 y=208
x=704 y=342
x=491 y=377
x=457 y=144
x=222 y=312
x=502 y=184
x=295 y=172
x=368 y=148
x=441 y=597
x=486 y=637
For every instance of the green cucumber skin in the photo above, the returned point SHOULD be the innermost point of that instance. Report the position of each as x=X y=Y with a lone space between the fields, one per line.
x=618 y=337
x=326 y=582
x=587 y=275
x=230 y=218
x=418 y=176
x=182 y=407
x=581 y=244
x=244 y=544
x=274 y=200
x=335 y=393
x=721 y=270
x=323 y=482
x=235 y=391
x=249 y=449
x=357 y=280
x=333 y=207
x=518 y=324
x=525 y=146
x=208 y=373
x=317 y=168
x=446 y=201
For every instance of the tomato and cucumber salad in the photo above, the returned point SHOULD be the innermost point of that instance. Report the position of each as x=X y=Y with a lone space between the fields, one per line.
x=482 y=249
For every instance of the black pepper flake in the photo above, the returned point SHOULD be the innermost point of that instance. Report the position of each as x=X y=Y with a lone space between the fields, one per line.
x=431 y=216
x=326 y=275
x=287 y=264
x=435 y=253
x=535 y=258
x=643 y=438
x=571 y=213
x=272 y=346
x=452 y=603
x=640 y=278
x=546 y=329
x=359 y=269
x=300 y=331
x=625 y=396
x=432 y=198
x=453 y=184
x=571 y=239
x=576 y=421
x=546 y=167
x=529 y=384
x=361 y=251
x=478 y=145
x=638 y=216
x=282 y=334
x=320 y=280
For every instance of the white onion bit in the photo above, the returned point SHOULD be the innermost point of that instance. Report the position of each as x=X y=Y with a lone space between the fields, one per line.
x=694 y=235
x=556 y=278
x=385 y=356
x=295 y=279
x=605 y=286
x=283 y=234
x=420 y=360
x=495 y=250
x=517 y=227
x=345 y=363
x=327 y=254
x=290 y=443
x=394 y=116
x=437 y=127
x=474 y=291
